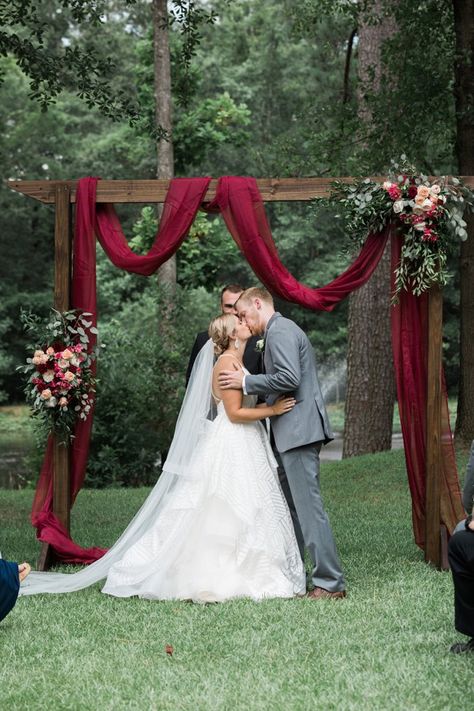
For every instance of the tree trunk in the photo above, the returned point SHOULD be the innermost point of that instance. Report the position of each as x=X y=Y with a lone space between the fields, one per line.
x=163 y=113
x=370 y=377
x=464 y=100
x=370 y=380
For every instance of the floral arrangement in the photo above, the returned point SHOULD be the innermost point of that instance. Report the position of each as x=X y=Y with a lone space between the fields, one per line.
x=429 y=213
x=60 y=380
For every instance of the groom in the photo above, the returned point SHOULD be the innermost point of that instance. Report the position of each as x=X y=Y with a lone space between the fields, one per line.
x=290 y=367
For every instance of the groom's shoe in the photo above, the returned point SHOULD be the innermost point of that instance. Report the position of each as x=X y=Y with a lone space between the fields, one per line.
x=321 y=593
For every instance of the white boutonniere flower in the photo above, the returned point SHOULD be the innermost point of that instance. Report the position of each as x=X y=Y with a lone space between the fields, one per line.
x=260 y=345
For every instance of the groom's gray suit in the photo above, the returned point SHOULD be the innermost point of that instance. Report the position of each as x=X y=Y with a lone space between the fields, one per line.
x=290 y=367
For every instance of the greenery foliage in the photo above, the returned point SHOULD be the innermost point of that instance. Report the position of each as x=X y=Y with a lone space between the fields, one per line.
x=59 y=374
x=428 y=213
x=142 y=383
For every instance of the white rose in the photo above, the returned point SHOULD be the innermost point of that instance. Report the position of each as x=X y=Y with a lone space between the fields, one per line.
x=51 y=402
x=435 y=189
x=427 y=205
x=398 y=206
x=48 y=376
x=75 y=361
x=63 y=363
x=420 y=226
x=387 y=184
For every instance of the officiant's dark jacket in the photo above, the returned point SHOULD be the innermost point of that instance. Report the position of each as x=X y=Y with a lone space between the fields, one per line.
x=252 y=358
x=9 y=586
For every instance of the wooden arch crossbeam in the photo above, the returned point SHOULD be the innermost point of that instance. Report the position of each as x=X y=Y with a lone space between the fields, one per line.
x=62 y=194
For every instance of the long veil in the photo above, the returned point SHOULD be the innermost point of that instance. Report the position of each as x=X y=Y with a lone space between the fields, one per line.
x=196 y=413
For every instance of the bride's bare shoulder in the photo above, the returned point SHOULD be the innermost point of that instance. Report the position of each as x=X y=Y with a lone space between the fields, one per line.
x=226 y=361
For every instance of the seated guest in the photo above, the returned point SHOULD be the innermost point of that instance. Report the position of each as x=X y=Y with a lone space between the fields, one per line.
x=461 y=560
x=468 y=490
x=11 y=574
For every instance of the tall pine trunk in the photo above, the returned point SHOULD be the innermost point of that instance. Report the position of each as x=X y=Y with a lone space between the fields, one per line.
x=163 y=113
x=464 y=99
x=370 y=376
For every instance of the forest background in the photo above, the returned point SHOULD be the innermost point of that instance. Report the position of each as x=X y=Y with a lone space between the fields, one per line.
x=273 y=89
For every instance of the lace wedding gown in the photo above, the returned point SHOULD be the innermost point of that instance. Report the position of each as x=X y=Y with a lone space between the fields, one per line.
x=215 y=526
x=225 y=532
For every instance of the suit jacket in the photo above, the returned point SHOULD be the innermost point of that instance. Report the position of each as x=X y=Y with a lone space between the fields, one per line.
x=252 y=358
x=290 y=367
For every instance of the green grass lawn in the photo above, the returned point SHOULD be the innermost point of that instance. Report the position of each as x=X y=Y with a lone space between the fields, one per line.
x=384 y=647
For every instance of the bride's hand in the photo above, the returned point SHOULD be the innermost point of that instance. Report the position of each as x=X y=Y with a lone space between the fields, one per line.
x=283 y=404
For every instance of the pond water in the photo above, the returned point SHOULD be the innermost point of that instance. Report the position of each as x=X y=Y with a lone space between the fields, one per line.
x=14 y=451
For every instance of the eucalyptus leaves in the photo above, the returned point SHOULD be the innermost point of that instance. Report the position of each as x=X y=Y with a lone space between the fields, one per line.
x=60 y=380
x=428 y=212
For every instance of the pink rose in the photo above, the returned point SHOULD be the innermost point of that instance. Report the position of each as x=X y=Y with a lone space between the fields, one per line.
x=63 y=402
x=40 y=358
x=423 y=191
x=50 y=351
x=387 y=185
x=67 y=354
x=46 y=394
x=68 y=376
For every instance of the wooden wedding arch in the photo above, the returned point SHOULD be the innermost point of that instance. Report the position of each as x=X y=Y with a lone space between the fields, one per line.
x=62 y=194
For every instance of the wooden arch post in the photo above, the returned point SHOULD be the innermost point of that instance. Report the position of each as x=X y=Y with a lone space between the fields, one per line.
x=435 y=533
x=62 y=194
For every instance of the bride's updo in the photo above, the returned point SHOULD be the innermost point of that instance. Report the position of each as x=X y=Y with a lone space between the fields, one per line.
x=220 y=329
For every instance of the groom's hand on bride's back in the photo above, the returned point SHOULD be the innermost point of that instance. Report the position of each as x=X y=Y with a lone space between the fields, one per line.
x=231 y=379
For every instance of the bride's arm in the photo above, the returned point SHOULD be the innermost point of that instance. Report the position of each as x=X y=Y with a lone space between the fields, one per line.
x=232 y=400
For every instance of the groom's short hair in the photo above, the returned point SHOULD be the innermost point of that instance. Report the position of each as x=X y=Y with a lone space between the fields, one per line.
x=256 y=292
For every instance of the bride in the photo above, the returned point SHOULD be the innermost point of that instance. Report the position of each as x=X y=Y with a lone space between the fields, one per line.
x=216 y=525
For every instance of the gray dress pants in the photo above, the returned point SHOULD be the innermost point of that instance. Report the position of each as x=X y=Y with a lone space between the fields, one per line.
x=302 y=472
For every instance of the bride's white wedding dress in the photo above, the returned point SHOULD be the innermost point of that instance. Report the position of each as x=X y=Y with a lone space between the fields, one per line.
x=226 y=532
x=215 y=527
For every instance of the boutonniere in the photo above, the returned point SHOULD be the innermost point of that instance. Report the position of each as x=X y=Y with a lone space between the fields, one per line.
x=260 y=345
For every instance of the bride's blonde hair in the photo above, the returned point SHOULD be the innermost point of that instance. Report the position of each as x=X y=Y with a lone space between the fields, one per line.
x=220 y=330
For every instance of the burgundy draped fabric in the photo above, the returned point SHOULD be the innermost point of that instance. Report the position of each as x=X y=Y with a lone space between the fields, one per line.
x=242 y=208
x=410 y=354
x=182 y=202
x=239 y=201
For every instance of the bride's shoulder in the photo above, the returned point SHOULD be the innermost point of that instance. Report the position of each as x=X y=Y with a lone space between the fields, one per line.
x=227 y=356
x=226 y=361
